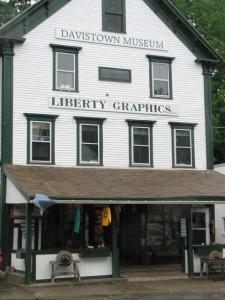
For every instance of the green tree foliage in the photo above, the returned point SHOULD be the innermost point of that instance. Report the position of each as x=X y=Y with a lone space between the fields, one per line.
x=10 y=8
x=208 y=17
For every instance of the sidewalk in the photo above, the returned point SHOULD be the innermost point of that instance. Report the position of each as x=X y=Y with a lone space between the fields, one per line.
x=196 y=288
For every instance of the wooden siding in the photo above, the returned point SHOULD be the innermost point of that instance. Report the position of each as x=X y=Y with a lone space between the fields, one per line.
x=33 y=85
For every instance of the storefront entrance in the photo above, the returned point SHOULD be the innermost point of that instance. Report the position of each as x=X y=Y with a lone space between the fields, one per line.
x=150 y=234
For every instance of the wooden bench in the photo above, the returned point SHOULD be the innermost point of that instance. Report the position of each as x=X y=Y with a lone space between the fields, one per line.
x=56 y=271
x=214 y=267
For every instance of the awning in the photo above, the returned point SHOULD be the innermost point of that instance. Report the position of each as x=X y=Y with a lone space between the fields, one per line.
x=115 y=185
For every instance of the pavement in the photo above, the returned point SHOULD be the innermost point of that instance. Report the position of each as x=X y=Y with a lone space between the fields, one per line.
x=119 y=288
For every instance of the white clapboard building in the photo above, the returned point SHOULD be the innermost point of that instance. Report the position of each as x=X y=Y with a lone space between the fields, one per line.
x=106 y=126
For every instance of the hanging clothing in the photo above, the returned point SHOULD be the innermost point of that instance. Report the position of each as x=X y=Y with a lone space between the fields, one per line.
x=76 y=228
x=106 y=216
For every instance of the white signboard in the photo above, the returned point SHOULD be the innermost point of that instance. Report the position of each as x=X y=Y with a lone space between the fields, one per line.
x=111 y=39
x=113 y=105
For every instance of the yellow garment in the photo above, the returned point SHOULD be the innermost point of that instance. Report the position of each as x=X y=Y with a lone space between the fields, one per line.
x=106 y=216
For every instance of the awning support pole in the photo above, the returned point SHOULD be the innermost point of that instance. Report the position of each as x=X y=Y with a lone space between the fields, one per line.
x=190 y=242
x=28 y=258
x=115 y=258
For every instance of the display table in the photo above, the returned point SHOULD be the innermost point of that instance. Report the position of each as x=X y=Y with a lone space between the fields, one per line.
x=56 y=271
x=214 y=267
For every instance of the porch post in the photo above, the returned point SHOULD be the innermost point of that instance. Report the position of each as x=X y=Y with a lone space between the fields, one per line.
x=190 y=242
x=115 y=258
x=28 y=258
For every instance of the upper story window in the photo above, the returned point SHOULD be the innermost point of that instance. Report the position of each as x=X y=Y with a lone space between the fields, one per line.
x=160 y=76
x=183 y=144
x=113 y=16
x=40 y=138
x=89 y=141
x=65 y=68
x=140 y=137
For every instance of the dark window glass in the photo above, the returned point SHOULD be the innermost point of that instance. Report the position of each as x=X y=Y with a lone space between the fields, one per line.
x=89 y=143
x=160 y=79
x=199 y=228
x=141 y=155
x=140 y=145
x=65 y=71
x=41 y=144
x=114 y=6
x=114 y=74
x=114 y=15
x=183 y=147
x=40 y=151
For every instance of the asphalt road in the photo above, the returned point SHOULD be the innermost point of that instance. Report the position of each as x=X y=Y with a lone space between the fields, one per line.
x=188 y=289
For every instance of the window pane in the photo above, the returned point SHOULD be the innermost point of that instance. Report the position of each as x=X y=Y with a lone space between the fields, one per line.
x=65 y=80
x=199 y=237
x=114 y=74
x=141 y=155
x=183 y=138
x=65 y=61
x=160 y=71
x=89 y=134
x=114 y=6
x=40 y=131
x=140 y=136
x=161 y=87
x=89 y=152
x=198 y=220
x=183 y=156
x=41 y=151
x=114 y=23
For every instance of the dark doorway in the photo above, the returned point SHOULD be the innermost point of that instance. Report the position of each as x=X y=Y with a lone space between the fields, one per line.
x=129 y=235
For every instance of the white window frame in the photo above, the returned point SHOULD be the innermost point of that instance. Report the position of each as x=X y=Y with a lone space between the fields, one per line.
x=81 y=144
x=160 y=79
x=176 y=147
x=36 y=141
x=207 y=221
x=133 y=145
x=66 y=71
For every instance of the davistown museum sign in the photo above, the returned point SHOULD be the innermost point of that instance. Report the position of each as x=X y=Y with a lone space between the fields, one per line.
x=111 y=39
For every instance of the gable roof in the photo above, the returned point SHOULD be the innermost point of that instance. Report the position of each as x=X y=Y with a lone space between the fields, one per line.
x=118 y=185
x=164 y=9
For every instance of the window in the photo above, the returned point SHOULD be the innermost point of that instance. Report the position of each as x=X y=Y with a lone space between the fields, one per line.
x=58 y=228
x=163 y=224
x=40 y=138
x=140 y=136
x=65 y=68
x=200 y=226
x=89 y=141
x=183 y=144
x=112 y=74
x=113 y=15
x=160 y=76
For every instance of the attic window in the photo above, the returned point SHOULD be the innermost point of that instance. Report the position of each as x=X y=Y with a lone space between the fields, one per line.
x=113 y=15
